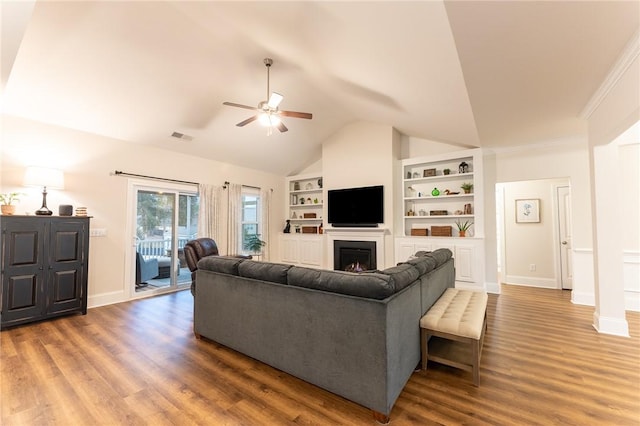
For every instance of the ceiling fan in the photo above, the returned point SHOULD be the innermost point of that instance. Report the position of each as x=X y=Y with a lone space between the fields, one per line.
x=268 y=112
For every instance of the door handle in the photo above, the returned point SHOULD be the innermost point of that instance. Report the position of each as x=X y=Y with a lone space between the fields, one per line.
x=564 y=243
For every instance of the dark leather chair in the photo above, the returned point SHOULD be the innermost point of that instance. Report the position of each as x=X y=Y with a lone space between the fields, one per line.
x=195 y=250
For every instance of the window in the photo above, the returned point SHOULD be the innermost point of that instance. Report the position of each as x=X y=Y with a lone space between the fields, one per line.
x=250 y=228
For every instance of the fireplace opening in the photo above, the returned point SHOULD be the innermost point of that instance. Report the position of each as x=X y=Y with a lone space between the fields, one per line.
x=354 y=256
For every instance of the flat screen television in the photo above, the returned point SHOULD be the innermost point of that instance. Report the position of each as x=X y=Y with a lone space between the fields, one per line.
x=356 y=207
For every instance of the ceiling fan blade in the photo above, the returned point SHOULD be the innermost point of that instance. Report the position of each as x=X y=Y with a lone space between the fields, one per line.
x=296 y=114
x=239 y=105
x=282 y=127
x=247 y=121
x=274 y=100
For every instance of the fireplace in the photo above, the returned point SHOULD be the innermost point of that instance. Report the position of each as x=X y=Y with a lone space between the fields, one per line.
x=354 y=256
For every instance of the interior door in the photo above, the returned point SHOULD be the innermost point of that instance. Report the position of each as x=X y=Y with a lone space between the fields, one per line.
x=564 y=228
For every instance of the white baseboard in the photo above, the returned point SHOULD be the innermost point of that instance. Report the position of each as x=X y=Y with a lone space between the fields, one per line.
x=614 y=326
x=581 y=298
x=493 y=288
x=531 y=282
x=104 y=299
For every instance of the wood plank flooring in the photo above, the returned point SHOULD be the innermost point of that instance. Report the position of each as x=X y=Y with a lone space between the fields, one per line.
x=138 y=363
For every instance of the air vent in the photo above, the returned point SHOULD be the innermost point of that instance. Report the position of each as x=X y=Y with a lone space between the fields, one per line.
x=182 y=136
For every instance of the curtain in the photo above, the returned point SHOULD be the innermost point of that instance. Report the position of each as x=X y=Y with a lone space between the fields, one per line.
x=265 y=198
x=209 y=213
x=234 y=218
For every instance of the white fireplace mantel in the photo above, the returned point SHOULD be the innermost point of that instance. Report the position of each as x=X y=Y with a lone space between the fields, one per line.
x=376 y=235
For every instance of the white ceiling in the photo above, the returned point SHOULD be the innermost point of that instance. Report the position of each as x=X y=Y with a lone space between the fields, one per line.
x=490 y=74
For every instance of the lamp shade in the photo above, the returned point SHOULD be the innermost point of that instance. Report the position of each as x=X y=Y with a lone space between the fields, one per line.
x=42 y=176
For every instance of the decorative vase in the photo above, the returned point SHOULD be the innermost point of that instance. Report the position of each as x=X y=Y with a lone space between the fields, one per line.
x=462 y=233
x=8 y=209
x=435 y=192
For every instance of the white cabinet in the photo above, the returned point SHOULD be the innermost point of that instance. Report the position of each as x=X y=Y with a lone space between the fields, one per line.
x=433 y=195
x=468 y=254
x=301 y=249
x=304 y=203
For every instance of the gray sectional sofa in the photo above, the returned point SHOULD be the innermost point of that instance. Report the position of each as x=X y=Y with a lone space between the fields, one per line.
x=354 y=334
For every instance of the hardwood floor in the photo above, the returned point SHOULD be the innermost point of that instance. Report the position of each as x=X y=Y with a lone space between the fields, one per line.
x=139 y=363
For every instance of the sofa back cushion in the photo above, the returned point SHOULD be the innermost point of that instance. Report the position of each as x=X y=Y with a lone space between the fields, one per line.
x=225 y=265
x=371 y=285
x=266 y=271
x=423 y=264
x=441 y=255
x=402 y=275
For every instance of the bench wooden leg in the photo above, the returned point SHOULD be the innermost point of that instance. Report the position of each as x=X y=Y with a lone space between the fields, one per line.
x=476 y=362
x=424 y=350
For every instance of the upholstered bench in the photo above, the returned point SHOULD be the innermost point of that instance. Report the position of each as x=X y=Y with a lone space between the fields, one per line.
x=452 y=331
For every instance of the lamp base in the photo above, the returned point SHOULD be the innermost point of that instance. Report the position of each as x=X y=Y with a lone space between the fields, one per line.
x=43 y=211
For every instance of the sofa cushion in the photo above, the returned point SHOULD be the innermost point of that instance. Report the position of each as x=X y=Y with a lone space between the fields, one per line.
x=423 y=264
x=441 y=255
x=266 y=271
x=222 y=264
x=402 y=275
x=371 y=285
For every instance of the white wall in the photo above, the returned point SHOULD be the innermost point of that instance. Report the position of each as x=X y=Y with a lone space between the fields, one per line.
x=87 y=161
x=364 y=154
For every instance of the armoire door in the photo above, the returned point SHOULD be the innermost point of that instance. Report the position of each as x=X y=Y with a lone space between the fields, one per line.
x=67 y=271
x=23 y=251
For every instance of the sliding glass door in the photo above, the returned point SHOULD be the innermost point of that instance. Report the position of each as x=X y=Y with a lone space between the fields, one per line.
x=166 y=218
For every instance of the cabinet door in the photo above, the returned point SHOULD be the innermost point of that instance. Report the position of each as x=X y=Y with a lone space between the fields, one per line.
x=404 y=250
x=311 y=252
x=289 y=250
x=67 y=277
x=23 y=243
x=464 y=259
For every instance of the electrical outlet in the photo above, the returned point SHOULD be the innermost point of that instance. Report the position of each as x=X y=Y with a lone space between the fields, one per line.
x=98 y=232
x=532 y=267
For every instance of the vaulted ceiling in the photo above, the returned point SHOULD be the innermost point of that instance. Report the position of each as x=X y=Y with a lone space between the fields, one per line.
x=490 y=74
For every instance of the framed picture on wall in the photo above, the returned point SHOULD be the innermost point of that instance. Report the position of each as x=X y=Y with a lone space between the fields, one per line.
x=528 y=210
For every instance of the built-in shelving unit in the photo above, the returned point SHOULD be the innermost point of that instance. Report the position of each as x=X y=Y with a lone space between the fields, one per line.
x=433 y=198
x=305 y=202
x=303 y=245
x=422 y=211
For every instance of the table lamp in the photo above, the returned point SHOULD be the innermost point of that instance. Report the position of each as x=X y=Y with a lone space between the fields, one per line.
x=44 y=177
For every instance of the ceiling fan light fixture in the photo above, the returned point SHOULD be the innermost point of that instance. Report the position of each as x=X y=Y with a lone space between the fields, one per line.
x=268 y=114
x=268 y=119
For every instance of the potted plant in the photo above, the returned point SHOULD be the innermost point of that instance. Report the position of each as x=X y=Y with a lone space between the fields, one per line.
x=6 y=199
x=254 y=244
x=463 y=227
x=467 y=187
x=446 y=171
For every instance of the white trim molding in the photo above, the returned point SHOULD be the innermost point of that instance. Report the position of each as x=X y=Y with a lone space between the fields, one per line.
x=613 y=326
x=375 y=235
x=629 y=54
x=532 y=281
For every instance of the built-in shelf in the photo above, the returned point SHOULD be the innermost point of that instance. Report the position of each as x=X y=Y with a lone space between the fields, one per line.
x=422 y=176
x=305 y=197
